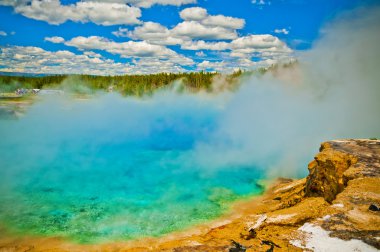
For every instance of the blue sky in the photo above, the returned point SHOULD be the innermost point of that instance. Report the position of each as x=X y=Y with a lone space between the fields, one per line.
x=109 y=37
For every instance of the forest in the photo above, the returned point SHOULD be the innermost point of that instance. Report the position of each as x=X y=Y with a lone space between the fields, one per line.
x=127 y=85
x=134 y=85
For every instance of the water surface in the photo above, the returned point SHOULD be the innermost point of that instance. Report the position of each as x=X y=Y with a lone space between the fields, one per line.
x=112 y=170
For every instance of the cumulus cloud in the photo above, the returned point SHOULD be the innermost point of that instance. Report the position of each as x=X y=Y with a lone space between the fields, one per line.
x=229 y=65
x=283 y=31
x=200 y=14
x=259 y=44
x=194 y=14
x=31 y=59
x=265 y=46
x=134 y=49
x=148 y=3
x=200 y=54
x=203 y=45
x=257 y=41
x=153 y=33
x=121 y=32
x=53 y=12
x=198 y=31
x=193 y=29
x=216 y=66
x=198 y=24
x=153 y=65
x=156 y=33
x=124 y=49
x=102 y=12
x=54 y=39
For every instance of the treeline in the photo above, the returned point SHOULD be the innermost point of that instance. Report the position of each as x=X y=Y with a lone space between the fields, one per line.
x=125 y=84
x=128 y=84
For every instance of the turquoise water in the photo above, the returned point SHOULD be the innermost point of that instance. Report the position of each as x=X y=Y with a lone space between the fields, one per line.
x=111 y=169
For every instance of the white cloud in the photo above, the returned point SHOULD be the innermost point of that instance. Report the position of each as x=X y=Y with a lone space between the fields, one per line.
x=257 y=41
x=53 y=12
x=193 y=14
x=193 y=29
x=231 y=65
x=147 y=49
x=144 y=65
x=197 y=24
x=37 y=60
x=283 y=31
x=219 y=66
x=92 y=54
x=148 y=3
x=130 y=49
x=265 y=45
x=124 y=49
x=54 y=39
x=260 y=2
x=122 y=32
x=153 y=33
x=200 y=15
x=3 y=33
x=223 y=21
x=203 y=45
x=258 y=45
x=200 y=54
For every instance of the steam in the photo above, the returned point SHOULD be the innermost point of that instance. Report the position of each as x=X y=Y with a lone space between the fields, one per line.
x=278 y=121
x=274 y=122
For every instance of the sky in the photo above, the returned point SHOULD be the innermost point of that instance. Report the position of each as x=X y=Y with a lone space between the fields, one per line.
x=116 y=37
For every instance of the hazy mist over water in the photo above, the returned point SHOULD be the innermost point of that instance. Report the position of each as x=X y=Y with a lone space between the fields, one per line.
x=114 y=168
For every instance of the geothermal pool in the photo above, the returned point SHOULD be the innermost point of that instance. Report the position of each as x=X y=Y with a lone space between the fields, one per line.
x=112 y=169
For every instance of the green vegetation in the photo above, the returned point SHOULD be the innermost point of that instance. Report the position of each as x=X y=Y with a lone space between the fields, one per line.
x=127 y=84
x=137 y=85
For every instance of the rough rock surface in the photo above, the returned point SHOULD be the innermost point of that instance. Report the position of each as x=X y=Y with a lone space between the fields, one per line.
x=334 y=208
x=339 y=162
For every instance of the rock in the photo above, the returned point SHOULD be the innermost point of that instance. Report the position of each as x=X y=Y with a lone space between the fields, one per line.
x=237 y=247
x=271 y=244
x=340 y=161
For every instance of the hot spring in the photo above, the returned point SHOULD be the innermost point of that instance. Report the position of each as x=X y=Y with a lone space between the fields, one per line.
x=112 y=168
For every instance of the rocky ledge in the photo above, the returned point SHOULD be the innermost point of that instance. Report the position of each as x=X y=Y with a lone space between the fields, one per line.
x=336 y=208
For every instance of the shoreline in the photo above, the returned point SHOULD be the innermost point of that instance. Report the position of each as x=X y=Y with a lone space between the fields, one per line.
x=236 y=210
x=309 y=214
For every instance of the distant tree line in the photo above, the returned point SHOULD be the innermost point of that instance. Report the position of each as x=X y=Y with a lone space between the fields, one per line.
x=125 y=84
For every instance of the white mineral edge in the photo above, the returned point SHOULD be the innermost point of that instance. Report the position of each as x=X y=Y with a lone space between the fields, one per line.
x=318 y=240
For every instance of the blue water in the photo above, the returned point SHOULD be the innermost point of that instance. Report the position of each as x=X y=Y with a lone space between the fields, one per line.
x=112 y=169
